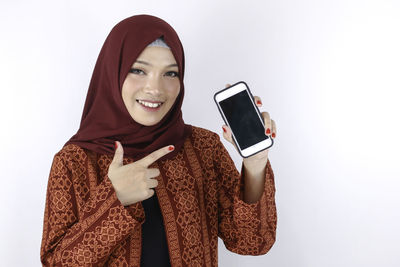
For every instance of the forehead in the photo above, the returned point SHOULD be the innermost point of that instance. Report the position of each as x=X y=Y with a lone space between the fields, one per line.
x=157 y=55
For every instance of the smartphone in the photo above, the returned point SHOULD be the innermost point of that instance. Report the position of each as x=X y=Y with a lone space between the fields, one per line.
x=240 y=113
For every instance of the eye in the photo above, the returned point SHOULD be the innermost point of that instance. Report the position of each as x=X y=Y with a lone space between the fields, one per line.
x=136 y=71
x=172 y=74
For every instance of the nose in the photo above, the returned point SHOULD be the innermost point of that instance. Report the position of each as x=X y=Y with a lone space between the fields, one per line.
x=153 y=86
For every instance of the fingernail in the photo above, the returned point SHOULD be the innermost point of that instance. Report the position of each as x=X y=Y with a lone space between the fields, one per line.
x=116 y=144
x=259 y=102
x=268 y=131
x=170 y=148
x=273 y=135
x=224 y=129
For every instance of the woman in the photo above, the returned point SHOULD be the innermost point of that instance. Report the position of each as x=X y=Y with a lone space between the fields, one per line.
x=162 y=193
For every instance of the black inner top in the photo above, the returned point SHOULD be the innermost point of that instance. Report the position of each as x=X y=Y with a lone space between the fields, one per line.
x=154 y=241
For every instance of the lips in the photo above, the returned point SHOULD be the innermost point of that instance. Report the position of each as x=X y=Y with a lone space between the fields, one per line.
x=150 y=104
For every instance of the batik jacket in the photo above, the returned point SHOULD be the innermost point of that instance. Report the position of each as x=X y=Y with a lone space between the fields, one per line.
x=200 y=193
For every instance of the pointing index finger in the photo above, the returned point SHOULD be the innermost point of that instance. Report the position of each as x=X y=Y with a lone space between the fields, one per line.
x=154 y=156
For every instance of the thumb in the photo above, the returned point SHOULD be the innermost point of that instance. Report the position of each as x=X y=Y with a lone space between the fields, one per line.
x=227 y=134
x=119 y=155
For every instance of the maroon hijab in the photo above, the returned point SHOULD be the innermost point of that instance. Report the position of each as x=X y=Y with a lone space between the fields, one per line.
x=105 y=118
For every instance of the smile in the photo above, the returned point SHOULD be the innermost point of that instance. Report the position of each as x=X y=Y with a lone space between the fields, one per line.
x=147 y=104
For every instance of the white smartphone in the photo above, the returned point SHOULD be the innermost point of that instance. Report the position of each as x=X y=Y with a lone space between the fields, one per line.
x=240 y=113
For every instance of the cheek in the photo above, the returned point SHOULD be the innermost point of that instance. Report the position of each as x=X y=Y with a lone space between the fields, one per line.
x=173 y=88
x=130 y=87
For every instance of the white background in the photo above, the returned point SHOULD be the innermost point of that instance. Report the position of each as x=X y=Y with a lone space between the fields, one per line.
x=327 y=72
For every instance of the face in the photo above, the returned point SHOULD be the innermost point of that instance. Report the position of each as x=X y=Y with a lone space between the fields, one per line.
x=152 y=85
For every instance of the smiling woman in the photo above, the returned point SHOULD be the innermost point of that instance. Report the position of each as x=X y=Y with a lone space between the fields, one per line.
x=167 y=190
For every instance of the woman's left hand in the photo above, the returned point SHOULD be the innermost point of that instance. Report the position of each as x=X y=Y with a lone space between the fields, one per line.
x=257 y=161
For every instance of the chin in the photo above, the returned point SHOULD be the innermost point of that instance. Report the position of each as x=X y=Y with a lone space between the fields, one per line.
x=150 y=123
x=147 y=122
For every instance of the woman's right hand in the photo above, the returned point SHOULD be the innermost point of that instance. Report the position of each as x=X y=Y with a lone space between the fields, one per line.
x=134 y=182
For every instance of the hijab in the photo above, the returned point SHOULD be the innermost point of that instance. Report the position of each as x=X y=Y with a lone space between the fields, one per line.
x=105 y=118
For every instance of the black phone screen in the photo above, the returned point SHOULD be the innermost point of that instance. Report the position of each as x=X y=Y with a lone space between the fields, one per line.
x=243 y=119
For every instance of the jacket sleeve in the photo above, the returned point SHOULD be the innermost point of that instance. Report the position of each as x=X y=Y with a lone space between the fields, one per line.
x=247 y=229
x=84 y=234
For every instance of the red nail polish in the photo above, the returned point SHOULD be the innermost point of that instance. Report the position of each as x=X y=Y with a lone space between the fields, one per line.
x=273 y=135
x=170 y=148
x=268 y=131
x=258 y=102
x=224 y=129
x=115 y=144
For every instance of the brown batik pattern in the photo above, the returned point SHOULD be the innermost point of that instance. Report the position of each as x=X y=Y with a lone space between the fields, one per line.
x=181 y=185
x=170 y=227
x=128 y=252
x=200 y=194
x=195 y=166
x=84 y=221
x=247 y=229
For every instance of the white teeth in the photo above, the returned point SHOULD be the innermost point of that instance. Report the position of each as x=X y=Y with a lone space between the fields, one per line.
x=148 y=104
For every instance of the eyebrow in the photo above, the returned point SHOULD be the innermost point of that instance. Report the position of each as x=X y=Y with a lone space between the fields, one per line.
x=147 y=63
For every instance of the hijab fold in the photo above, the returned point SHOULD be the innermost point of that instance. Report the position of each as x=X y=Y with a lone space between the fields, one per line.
x=105 y=118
